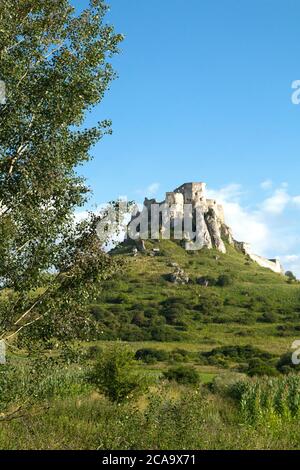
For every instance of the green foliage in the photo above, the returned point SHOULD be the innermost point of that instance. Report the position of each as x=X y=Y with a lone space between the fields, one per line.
x=233 y=412
x=150 y=355
x=113 y=374
x=239 y=353
x=161 y=333
x=270 y=400
x=56 y=67
x=24 y=384
x=257 y=367
x=291 y=276
x=285 y=364
x=269 y=317
x=224 y=280
x=253 y=361
x=184 y=375
x=151 y=309
x=209 y=304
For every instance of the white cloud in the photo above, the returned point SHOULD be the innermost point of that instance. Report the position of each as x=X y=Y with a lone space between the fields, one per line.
x=267 y=184
x=231 y=192
x=277 y=202
x=296 y=200
x=150 y=190
x=292 y=263
x=271 y=227
x=247 y=225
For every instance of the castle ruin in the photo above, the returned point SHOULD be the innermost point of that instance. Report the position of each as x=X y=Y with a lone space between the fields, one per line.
x=213 y=231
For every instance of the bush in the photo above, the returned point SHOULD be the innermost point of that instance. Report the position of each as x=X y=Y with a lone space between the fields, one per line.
x=269 y=317
x=209 y=305
x=259 y=368
x=174 y=314
x=224 y=280
x=228 y=384
x=285 y=364
x=161 y=333
x=114 y=376
x=291 y=276
x=139 y=319
x=98 y=312
x=93 y=352
x=150 y=355
x=179 y=355
x=133 y=333
x=183 y=375
x=239 y=353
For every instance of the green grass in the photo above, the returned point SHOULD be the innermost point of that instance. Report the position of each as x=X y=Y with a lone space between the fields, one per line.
x=170 y=416
x=136 y=307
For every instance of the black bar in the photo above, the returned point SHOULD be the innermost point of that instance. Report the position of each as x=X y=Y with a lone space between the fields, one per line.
x=137 y=459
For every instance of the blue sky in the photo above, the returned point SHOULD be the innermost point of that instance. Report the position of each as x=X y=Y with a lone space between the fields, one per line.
x=204 y=94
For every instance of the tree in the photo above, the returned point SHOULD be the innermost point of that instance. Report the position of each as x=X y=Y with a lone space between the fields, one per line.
x=114 y=374
x=55 y=65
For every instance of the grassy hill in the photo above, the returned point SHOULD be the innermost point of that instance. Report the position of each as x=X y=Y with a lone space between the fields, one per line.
x=141 y=304
x=252 y=307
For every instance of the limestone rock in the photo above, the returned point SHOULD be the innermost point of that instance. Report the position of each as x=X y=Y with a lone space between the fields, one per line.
x=179 y=277
x=214 y=226
x=173 y=265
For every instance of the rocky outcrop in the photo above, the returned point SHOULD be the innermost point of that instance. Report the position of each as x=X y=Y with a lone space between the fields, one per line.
x=178 y=277
x=214 y=226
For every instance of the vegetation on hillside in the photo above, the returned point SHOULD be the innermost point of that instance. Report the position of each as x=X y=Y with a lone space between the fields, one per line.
x=142 y=304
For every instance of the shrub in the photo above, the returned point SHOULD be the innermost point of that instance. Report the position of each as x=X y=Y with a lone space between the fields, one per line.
x=224 y=280
x=150 y=355
x=133 y=333
x=291 y=276
x=98 y=312
x=139 y=319
x=209 y=305
x=183 y=375
x=285 y=364
x=114 y=376
x=174 y=314
x=151 y=312
x=162 y=333
x=179 y=355
x=228 y=384
x=257 y=368
x=239 y=353
x=269 y=317
x=93 y=352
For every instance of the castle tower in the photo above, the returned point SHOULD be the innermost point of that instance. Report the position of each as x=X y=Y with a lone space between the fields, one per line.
x=192 y=192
